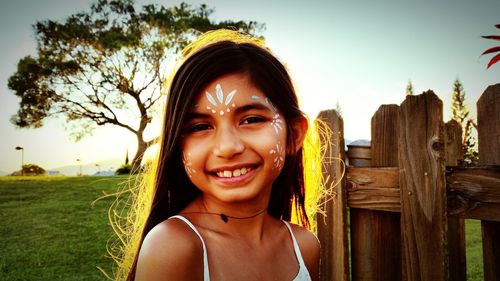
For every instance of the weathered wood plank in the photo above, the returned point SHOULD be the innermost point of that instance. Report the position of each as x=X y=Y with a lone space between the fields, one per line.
x=456 y=224
x=376 y=234
x=373 y=188
x=332 y=224
x=488 y=120
x=423 y=188
x=472 y=192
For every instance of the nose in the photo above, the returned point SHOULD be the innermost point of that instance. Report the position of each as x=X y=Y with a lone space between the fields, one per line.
x=228 y=143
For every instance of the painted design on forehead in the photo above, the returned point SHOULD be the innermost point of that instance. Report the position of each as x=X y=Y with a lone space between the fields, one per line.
x=221 y=104
x=188 y=165
x=278 y=152
x=277 y=123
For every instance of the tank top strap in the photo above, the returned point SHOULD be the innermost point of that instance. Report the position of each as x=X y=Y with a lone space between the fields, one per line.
x=206 y=273
x=303 y=273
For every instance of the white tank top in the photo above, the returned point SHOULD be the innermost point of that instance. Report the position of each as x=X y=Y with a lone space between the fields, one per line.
x=302 y=275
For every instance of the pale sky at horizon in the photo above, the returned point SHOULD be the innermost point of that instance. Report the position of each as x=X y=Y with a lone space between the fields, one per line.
x=360 y=54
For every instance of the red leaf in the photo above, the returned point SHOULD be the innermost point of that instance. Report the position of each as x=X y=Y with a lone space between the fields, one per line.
x=491 y=50
x=494 y=37
x=493 y=60
x=497 y=26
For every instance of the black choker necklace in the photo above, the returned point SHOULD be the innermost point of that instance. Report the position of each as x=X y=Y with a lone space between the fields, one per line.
x=225 y=218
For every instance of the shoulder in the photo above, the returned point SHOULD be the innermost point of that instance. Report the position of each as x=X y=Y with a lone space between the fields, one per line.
x=171 y=250
x=310 y=248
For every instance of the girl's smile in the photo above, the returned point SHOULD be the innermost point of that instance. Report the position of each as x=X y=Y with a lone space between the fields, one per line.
x=233 y=141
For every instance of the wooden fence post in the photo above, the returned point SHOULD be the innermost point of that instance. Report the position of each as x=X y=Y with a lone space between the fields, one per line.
x=488 y=119
x=456 y=224
x=332 y=226
x=423 y=188
x=376 y=235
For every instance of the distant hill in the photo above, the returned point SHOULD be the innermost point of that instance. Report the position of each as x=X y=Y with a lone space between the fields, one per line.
x=106 y=167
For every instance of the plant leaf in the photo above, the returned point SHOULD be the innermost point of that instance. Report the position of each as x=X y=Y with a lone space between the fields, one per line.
x=491 y=50
x=494 y=37
x=494 y=60
x=497 y=26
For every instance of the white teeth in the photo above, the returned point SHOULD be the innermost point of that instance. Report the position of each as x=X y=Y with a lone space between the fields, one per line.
x=235 y=173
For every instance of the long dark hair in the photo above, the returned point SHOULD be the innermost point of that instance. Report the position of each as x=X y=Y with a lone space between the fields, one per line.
x=173 y=190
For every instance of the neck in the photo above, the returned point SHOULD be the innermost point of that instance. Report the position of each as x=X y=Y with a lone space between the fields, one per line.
x=242 y=220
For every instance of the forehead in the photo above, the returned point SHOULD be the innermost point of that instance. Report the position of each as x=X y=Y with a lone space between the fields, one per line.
x=230 y=88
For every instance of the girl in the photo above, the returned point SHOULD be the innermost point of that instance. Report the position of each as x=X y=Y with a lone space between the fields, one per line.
x=229 y=171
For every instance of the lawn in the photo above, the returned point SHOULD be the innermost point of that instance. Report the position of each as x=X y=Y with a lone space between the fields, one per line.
x=50 y=230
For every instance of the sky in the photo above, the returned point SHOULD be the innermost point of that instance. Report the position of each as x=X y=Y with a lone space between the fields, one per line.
x=359 y=54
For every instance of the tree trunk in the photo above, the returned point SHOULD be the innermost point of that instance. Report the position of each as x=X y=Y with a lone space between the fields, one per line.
x=141 y=149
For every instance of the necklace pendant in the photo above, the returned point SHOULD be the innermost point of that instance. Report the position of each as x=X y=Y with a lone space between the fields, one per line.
x=224 y=218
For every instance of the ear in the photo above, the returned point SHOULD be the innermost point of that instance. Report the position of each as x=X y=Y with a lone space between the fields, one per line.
x=299 y=128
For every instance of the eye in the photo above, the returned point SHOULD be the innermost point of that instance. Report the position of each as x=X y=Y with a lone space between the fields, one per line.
x=198 y=127
x=253 y=119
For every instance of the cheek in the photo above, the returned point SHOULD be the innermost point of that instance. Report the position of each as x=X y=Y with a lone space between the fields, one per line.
x=276 y=143
x=188 y=163
x=190 y=158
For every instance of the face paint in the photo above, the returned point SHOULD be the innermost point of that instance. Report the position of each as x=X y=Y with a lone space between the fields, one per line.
x=221 y=104
x=278 y=151
x=188 y=164
x=277 y=123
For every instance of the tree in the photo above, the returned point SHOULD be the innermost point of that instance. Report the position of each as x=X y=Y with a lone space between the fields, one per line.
x=491 y=50
x=409 y=89
x=108 y=66
x=338 y=108
x=30 y=170
x=460 y=113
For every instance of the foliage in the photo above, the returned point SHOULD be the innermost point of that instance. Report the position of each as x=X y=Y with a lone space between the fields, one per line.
x=108 y=66
x=30 y=170
x=125 y=169
x=460 y=113
x=53 y=230
x=409 y=89
x=495 y=49
x=338 y=108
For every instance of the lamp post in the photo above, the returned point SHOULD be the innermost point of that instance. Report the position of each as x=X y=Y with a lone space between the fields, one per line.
x=80 y=162
x=22 y=158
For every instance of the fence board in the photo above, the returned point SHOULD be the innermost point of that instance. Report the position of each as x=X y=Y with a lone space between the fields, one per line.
x=373 y=189
x=488 y=119
x=332 y=226
x=376 y=235
x=423 y=190
x=456 y=224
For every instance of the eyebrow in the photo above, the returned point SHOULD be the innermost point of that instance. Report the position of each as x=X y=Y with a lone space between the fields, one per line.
x=195 y=114
x=252 y=106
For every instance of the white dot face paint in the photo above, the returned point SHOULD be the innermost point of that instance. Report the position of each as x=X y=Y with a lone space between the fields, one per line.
x=277 y=123
x=220 y=104
x=188 y=165
x=279 y=156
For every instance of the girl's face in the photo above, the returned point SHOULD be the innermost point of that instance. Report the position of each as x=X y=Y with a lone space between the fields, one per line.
x=234 y=141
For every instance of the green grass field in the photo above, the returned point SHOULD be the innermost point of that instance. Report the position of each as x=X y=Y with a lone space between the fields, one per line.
x=51 y=231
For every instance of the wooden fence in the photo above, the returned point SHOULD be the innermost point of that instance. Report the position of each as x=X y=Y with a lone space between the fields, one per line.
x=407 y=204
